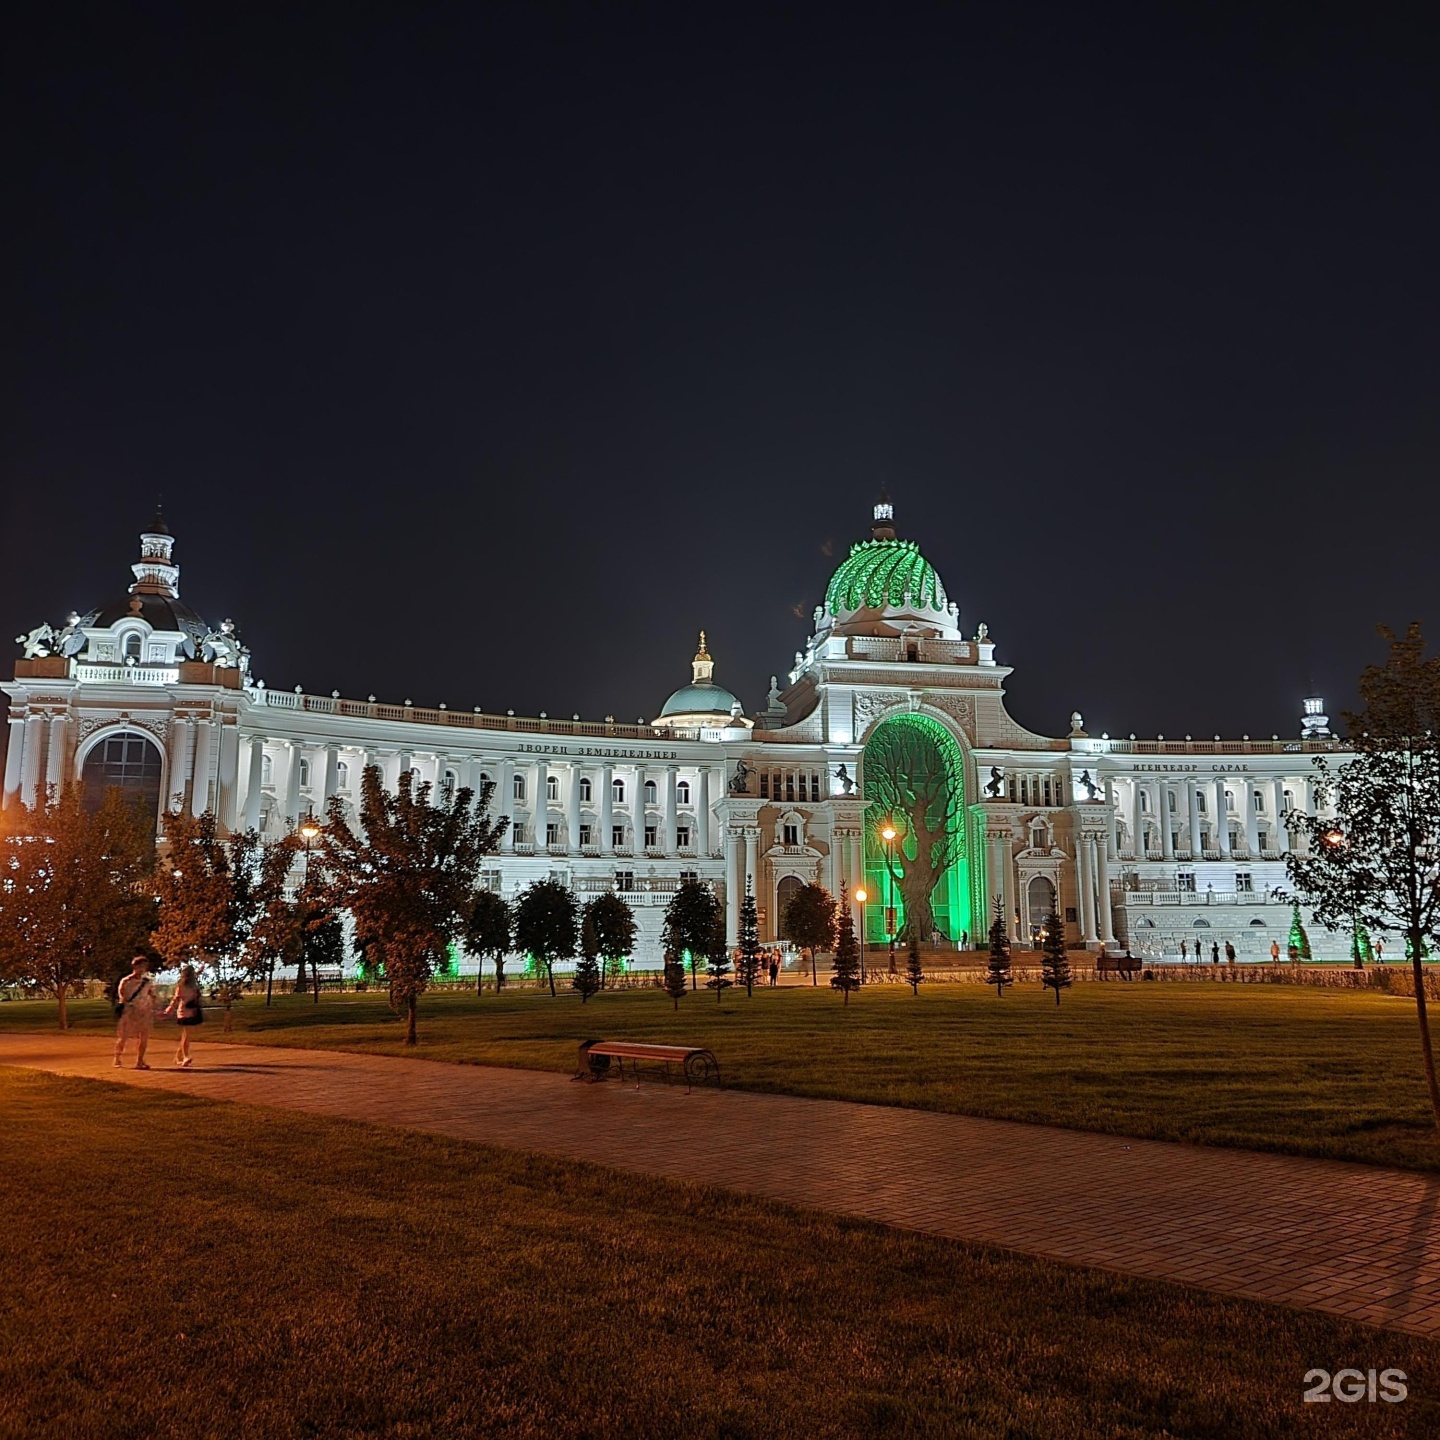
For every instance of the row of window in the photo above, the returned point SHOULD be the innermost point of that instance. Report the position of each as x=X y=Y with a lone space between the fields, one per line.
x=1201 y=804
x=794 y=785
x=556 y=834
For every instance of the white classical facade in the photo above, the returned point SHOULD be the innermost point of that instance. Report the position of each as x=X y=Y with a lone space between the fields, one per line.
x=1142 y=844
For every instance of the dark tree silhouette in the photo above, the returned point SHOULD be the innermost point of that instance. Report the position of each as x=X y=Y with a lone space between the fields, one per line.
x=547 y=924
x=1054 y=962
x=914 y=972
x=846 y=970
x=487 y=932
x=690 y=923
x=997 y=970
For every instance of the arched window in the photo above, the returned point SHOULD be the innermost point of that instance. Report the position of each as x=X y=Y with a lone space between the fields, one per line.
x=132 y=645
x=267 y=770
x=552 y=787
x=449 y=783
x=518 y=788
x=682 y=792
x=1144 y=803
x=786 y=891
x=586 y=790
x=617 y=791
x=129 y=762
x=342 y=775
x=304 y=772
x=1259 y=802
x=652 y=795
x=1199 y=802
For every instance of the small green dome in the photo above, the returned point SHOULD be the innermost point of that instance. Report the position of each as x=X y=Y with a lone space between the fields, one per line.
x=881 y=574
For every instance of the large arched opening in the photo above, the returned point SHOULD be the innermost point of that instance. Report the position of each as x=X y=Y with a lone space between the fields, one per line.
x=914 y=783
x=128 y=761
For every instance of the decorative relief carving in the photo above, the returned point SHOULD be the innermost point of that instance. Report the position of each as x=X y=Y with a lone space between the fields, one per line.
x=870 y=705
x=960 y=708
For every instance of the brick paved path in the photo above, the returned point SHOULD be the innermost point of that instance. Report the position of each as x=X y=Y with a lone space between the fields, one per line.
x=1354 y=1240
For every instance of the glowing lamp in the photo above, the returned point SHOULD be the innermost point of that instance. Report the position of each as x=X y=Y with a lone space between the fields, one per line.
x=860 y=896
x=888 y=833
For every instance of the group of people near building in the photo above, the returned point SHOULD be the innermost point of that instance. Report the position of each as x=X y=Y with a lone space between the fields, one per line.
x=136 y=1004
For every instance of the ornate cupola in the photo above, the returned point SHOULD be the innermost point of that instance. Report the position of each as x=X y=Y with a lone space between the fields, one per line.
x=882 y=526
x=155 y=572
x=702 y=667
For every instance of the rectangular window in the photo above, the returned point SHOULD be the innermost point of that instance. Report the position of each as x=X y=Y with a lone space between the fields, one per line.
x=1199 y=802
x=765 y=786
x=802 y=786
x=1244 y=882
x=617 y=791
x=617 y=836
x=517 y=788
x=552 y=834
x=490 y=880
x=815 y=787
x=689 y=875
x=1259 y=803
x=789 y=787
x=518 y=831
x=624 y=879
x=792 y=835
x=586 y=834
x=650 y=840
x=1047 y=790
x=1185 y=882
x=682 y=836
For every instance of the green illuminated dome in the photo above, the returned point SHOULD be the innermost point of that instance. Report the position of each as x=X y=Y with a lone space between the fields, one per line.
x=885 y=573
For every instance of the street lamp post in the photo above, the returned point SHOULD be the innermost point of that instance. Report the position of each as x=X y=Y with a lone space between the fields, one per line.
x=309 y=829
x=860 y=898
x=888 y=836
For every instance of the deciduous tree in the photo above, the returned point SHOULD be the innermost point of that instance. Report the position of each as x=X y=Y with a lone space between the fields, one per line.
x=487 y=933
x=690 y=922
x=75 y=904
x=587 y=968
x=808 y=921
x=1376 y=862
x=407 y=874
x=547 y=924
x=615 y=931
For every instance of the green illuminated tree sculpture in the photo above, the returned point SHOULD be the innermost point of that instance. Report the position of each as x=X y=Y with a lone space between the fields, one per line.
x=1376 y=861
x=1299 y=942
x=1054 y=962
x=911 y=782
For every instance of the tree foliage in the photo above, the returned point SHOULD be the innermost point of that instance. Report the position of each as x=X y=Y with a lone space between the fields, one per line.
x=586 y=978
x=808 y=919
x=997 y=969
x=74 y=903
x=547 y=924
x=615 y=931
x=690 y=922
x=1054 y=961
x=487 y=934
x=1374 y=861
x=845 y=975
x=914 y=971
x=1299 y=940
x=407 y=874
x=910 y=782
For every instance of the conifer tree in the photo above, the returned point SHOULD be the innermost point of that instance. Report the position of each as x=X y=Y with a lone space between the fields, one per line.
x=846 y=969
x=997 y=972
x=1299 y=940
x=749 y=940
x=1054 y=962
x=914 y=974
x=587 y=968
x=717 y=958
x=675 y=982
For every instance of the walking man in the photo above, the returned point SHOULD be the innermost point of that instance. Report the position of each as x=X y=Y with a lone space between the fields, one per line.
x=1229 y=953
x=1274 y=952
x=135 y=996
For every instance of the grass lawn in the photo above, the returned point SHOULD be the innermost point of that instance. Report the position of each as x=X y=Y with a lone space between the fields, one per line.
x=1316 y=1072
x=181 y=1267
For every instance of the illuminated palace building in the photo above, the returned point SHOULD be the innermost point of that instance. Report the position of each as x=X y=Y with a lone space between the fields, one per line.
x=893 y=718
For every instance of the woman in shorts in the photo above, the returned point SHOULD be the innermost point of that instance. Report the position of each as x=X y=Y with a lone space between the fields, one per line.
x=188 y=1012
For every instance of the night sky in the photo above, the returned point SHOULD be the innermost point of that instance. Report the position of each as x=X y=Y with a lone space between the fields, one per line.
x=483 y=354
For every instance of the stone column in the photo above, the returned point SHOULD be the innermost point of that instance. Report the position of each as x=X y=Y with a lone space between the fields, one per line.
x=1252 y=824
x=668 y=824
x=607 y=809
x=227 y=776
x=572 y=809
x=702 y=811
x=1222 y=820
x=1282 y=835
x=292 y=785
x=1007 y=891
x=254 y=789
x=1192 y=816
x=55 y=766
x=637 y=810
x=505 y=791
x=30 y=765
x=200 y=781
x=1107 y=919
x=733 y=893
x=1087 y=889
x=1167 y=836
x=540 y=806
x=1112 y=849
x=13 y=753
x=1137 y=818
x=179 y=772
x=332 y=772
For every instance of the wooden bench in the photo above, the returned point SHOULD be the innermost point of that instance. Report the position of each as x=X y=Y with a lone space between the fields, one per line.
x=1126 y=966
x=698 y=1066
